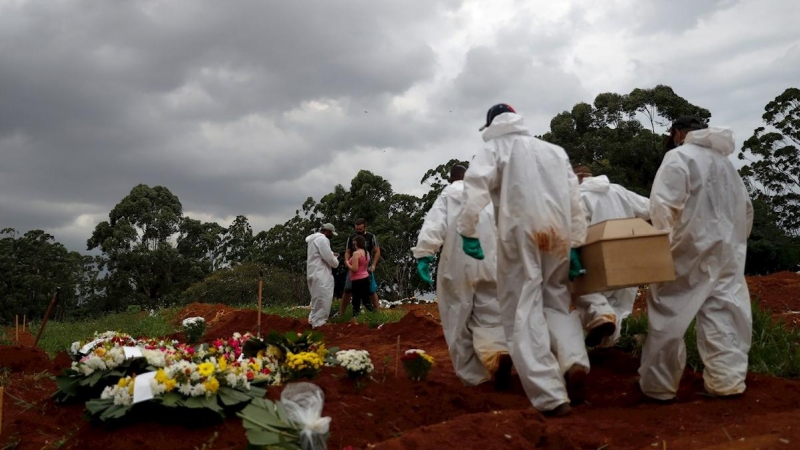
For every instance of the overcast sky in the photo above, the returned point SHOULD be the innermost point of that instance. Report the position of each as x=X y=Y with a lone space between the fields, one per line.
x=249 y=107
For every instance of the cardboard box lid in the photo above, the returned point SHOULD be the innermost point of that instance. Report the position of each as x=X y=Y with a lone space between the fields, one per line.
x=620 y=229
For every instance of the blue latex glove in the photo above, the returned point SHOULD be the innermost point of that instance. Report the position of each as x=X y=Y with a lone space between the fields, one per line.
x=424 y=268
x=575 y=265
x=472 y=247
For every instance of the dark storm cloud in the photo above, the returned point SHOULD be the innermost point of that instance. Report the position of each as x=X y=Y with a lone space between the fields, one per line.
x=98 y=97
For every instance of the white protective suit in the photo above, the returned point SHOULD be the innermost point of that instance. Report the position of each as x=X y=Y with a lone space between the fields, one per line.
x=699 y=197
x=466 y=290
x=603 y=201
x=539 y=217
x=319 y=262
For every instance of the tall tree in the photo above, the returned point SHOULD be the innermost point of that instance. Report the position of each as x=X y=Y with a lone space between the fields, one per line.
x=32 y=266
x=773 y=169
x=237 y=242
x=135 y=243
x=618 y=135
x=202 y=242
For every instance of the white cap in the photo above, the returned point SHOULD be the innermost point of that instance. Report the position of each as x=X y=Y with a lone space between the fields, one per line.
x=329 y=227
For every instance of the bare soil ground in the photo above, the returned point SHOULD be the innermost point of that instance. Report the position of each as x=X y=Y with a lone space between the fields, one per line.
x=393 y=413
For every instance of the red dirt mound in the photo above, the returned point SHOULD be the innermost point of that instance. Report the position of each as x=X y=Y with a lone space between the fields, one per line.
x=439 y=412
x=779 y=293
x=60 y=362
x=210 y=312
x=20 y=358
x=243 y=321
x=520 y=429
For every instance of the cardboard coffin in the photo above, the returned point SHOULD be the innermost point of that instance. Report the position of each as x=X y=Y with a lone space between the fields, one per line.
x=623 y=253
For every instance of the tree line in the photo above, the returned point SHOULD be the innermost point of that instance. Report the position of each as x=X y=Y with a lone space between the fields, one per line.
x=153 y=255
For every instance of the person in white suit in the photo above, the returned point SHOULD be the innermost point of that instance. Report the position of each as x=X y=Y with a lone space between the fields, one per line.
x=466 y=288
x=699 y=197
x=602 y=313
x=540 y=220
x=320 y=259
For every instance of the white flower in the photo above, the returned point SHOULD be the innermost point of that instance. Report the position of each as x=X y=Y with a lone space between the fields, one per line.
x=157 y=387
x=185 y=389
x=414 y=350
x=231 y=379
x=198 y=390
x=120 y=395
x=73 y=349
x=355 y=361
x=155 y=358
x=191 y=321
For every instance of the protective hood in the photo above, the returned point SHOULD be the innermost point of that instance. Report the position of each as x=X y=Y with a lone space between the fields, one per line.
x=596 y=184
x=719 y=139
x=312 y=237
x=506 y=123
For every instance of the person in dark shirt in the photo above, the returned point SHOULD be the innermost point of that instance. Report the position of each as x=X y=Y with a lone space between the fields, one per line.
x=374 y=251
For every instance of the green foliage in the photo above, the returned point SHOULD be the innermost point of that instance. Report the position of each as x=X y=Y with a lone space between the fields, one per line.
x=58 y=336
x=268 y=426
x=373 y=318
x=394 y=218
x=617 y=135
x=32 y=266
x=769 y=248
x=237 y=242
x=774 y=174
x=293 y=342
x=143 y=265
x=239 y=286
x=775 y=349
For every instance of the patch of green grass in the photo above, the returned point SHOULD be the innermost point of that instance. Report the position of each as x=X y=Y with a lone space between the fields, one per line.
x=58 y=336
x=775 y=348
x=373 y=319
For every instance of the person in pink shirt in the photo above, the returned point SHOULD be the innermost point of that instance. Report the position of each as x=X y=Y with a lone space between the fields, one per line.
x=359 y=275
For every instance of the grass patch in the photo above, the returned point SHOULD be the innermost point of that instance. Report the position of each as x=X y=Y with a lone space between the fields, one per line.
x=775 y=349
x=373 y=319
x=58 y=336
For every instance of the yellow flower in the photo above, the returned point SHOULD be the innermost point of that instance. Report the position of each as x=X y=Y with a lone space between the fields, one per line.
x=427 y=357
x=161 y=376
x=303 y=361
x=212 y=385
x=255 y=365
x=170 y=384
x=260 y=354
x=205 y=369
x=222 y=363
x=322 y=351
x=122 y=382
x=100 y=351
x=274 y=351
x=212 y=350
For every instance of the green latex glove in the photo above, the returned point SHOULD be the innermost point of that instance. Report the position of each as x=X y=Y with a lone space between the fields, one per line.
x=575 y=265
x=472 y=247
x=424 y=268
